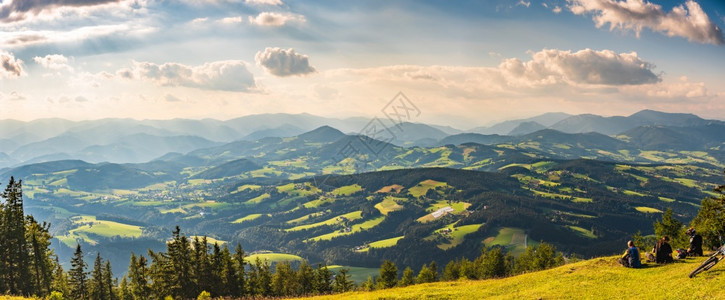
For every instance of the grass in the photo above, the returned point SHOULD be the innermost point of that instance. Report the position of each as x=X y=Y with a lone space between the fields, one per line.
x=510 y=237
x=346 y=190
x=355 y=215
x=423 y=187
x=582 y=232
x=307 y=217
x=258 y=199
x=390 y=188
x=455 y=237
x=319 y=201
x=209 y=240
x=665 y=199
x=247 y=218
x=251 y=187
x=272 y=257
x=599 y=278
x=389 y=204
x=383 y=243
x=647 y=210
x=633 y=193
x=88 y=225
x=354 y=228
x=357 y=274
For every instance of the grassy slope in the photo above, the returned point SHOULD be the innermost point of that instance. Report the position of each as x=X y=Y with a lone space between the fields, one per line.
x=600 y=278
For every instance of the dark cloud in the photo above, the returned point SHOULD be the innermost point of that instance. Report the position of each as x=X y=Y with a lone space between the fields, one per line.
x=10 y=66
x=17 y=10
x=281 y=62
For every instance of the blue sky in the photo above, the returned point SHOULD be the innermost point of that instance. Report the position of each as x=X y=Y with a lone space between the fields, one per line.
x=463 y=63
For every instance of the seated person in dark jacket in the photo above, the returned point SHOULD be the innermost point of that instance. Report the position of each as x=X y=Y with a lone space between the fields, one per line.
x=630 y=258
x=663 y=251
x=695 y=243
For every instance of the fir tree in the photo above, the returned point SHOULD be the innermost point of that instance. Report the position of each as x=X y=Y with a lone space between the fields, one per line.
x=77 y=276
x=97 y=289
x=388 y=275
x=60 y=280
x=17 y=279
x=323 y=279
x=239 y=268
x=124 y=293
x=407 y=278
x=108 y=282
x=343 y=282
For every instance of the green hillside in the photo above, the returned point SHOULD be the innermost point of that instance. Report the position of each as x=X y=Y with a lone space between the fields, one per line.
x=599 y=278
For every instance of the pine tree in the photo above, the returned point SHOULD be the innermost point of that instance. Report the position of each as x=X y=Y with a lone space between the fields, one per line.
x=323 y=279
x=138 y=273
x=60 y=280
x=239 y=267
x=96 y=285
x=425 y=275
x=216 y=269
x=179 y=254
x=230 y=282
x=343 y=282
x=202 y=265
x=368 y=285
x=77 y=276
x=161 y=275
x=671 y=227
x=492 y=264
x=108 y=282
x=39 y=237
x=284 y=280
x=306 y=278
x=388 y=275
x=17 y=279
x=124 y=293
x=407 y=278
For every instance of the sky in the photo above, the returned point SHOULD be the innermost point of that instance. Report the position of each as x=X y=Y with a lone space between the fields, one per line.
x=460 y=63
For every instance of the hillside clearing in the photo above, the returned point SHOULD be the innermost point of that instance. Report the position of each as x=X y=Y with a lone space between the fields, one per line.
x=599 y=278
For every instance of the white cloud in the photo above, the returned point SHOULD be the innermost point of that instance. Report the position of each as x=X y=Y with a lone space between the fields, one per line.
x=231 y=20
x=10 y=66
x=19 y=10
x=199 y=20
x=556 y=9
x=30 y=37
x=171 y=98
x=264 y=2
x=587 y=66
x=281 y=62
x=53 y=62
x=230 y=75
x=689 y=21
x=13 y=96
x=272 y=19
x=524 y=3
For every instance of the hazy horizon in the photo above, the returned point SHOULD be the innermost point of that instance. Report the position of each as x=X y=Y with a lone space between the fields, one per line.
x=462 y=64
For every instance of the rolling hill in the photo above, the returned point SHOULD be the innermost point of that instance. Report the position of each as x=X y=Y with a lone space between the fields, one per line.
x=599 y=278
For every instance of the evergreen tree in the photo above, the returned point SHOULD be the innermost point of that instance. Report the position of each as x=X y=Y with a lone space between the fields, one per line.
x=343 y=282
x=202 y=265
x=492 y=264
x=284 y=281
x=138 y=273
x=425 y=275
x=239 y=267
x=230 y=282
x=452 y=271
x=38 y=236
x=161 y=275
x=179 y=257
x=323 y=279
x=97 y=289
x=407 y=278
x=108 y=282
x=671 y=227
x=60 y=280
x=77 y=276
x=388 y=275
x=368 y=285
x=306 y=278
x=216 y=269
x=15 y=257
x=124 y=292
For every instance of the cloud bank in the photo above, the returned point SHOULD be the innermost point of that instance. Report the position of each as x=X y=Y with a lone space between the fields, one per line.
x=230 y=75
x=281 y=62
x=18 y=10
x=689 y=21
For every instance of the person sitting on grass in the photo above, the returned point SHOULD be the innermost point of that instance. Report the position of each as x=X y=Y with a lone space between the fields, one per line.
x=695 y=243
x=630 y=259
x=663 y=251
